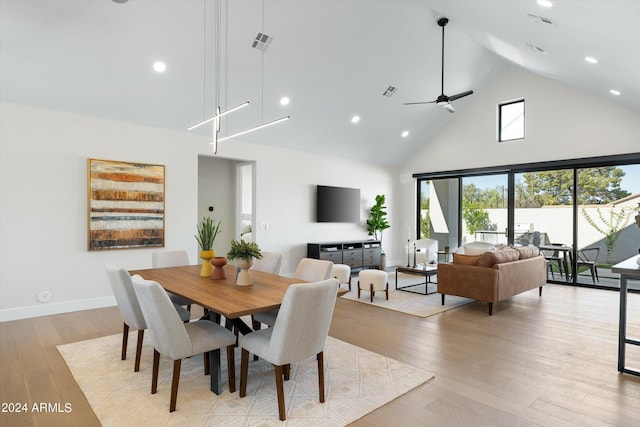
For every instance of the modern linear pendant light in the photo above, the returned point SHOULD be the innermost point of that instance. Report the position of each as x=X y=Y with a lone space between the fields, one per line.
x=217 y=61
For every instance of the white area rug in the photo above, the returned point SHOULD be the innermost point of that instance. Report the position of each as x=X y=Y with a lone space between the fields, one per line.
x=357 y=382
x=416 y=304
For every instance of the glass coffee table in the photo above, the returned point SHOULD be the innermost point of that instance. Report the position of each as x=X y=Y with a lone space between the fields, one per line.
x=427 y=271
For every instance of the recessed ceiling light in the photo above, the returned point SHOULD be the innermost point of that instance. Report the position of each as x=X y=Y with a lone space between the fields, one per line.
x=355 y=119
x=405 y=133
x=284 y=100
x=120 y=1
x=614 y=92
x=159 y=67
x=545 y=3
x=590 y=60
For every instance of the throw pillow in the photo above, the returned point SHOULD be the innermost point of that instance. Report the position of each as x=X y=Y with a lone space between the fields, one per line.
x=527 y=251
x=491 y=258
x=465 y=259
x=477 y=248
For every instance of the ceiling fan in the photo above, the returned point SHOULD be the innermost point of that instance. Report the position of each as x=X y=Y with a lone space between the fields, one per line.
x=443 y=100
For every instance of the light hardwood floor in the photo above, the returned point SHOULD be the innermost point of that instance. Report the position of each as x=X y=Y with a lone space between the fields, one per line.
x=547 y=361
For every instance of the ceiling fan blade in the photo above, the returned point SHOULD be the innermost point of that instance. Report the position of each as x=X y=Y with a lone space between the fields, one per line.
x=416 y=103
x=449 y=108
x=460 y=95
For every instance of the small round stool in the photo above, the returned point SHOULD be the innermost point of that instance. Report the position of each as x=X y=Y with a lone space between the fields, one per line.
x=372 y=281
x=342 y=272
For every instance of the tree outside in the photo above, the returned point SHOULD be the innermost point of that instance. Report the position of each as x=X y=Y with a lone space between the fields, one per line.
x=598 y=186
x=425 y=219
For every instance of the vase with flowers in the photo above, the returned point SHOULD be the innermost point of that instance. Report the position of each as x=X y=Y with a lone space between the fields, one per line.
x=207 y=231
x=244 y=253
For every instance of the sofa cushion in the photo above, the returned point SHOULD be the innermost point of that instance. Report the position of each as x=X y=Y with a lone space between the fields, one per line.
x=491 y=258
x=462 y=259
x=476 y=248
x=527 y=251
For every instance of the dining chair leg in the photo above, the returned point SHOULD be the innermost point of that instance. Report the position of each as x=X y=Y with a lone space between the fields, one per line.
x=136 y=366
x=174 y=384
x=255 y=324
x=280 y=392
x=442 y=299
x=286 y=369
x=386 y=291
x=231 y=368
x=320 y=357
x=154 y=371
x=371 y=292
x=207 y=367
x=358 y=289
x=125 y=339
x=244 y=368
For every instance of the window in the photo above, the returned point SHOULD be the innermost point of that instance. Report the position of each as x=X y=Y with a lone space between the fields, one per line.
x=511 y=121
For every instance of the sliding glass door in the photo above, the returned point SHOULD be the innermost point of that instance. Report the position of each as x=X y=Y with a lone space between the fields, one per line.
x=484 y=209
x=543 y=212
x=580 y=214
x=608 y=200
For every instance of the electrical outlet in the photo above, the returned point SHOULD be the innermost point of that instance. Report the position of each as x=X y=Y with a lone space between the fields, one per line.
x=45 y=296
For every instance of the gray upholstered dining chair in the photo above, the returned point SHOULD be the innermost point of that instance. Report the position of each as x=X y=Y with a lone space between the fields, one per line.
x=310 y=270
x=269 y=263
x=122 y=286
x=177 y=340
x=300 y=332
x=176 y=258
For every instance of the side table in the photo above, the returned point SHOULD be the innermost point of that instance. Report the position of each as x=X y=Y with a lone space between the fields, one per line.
x=445 y=256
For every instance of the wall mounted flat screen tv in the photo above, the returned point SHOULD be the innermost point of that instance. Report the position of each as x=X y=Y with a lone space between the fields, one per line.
x=337 y=204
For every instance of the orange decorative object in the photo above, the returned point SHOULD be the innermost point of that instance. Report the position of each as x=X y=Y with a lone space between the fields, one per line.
x=218 y=271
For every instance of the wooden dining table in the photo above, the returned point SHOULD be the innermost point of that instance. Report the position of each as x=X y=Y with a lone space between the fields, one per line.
x=223 y=297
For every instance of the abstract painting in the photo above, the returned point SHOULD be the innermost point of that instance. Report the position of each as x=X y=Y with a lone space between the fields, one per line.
x=125 y=205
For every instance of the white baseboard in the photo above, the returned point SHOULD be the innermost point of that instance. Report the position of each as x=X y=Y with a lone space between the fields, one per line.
x=56 y=308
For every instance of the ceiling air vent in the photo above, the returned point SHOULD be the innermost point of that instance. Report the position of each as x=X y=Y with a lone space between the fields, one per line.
x=537 y=48
x=262 y=42
x=541 y=19
x=391 y=90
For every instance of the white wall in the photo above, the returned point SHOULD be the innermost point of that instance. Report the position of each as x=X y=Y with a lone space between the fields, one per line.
x=43 y=192
x=217 y=189
x=560 y=123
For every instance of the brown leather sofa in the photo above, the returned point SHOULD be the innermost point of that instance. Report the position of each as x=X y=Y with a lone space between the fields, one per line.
x=493 y=276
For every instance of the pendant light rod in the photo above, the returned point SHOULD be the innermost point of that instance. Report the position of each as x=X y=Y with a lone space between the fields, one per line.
x=264 y=125
x=217 y=116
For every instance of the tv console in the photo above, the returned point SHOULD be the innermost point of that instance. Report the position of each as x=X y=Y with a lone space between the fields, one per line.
x=354 y=253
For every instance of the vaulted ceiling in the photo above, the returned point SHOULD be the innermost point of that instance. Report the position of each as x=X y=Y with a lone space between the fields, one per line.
x=333 y=59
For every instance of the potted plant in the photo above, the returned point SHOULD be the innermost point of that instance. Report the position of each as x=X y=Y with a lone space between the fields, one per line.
x=377 y=223
x=207 y=231
x=244 y=253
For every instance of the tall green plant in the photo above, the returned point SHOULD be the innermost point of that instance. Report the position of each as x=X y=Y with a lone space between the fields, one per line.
x=207 y=231
x=377 y=221
x=611 y=227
